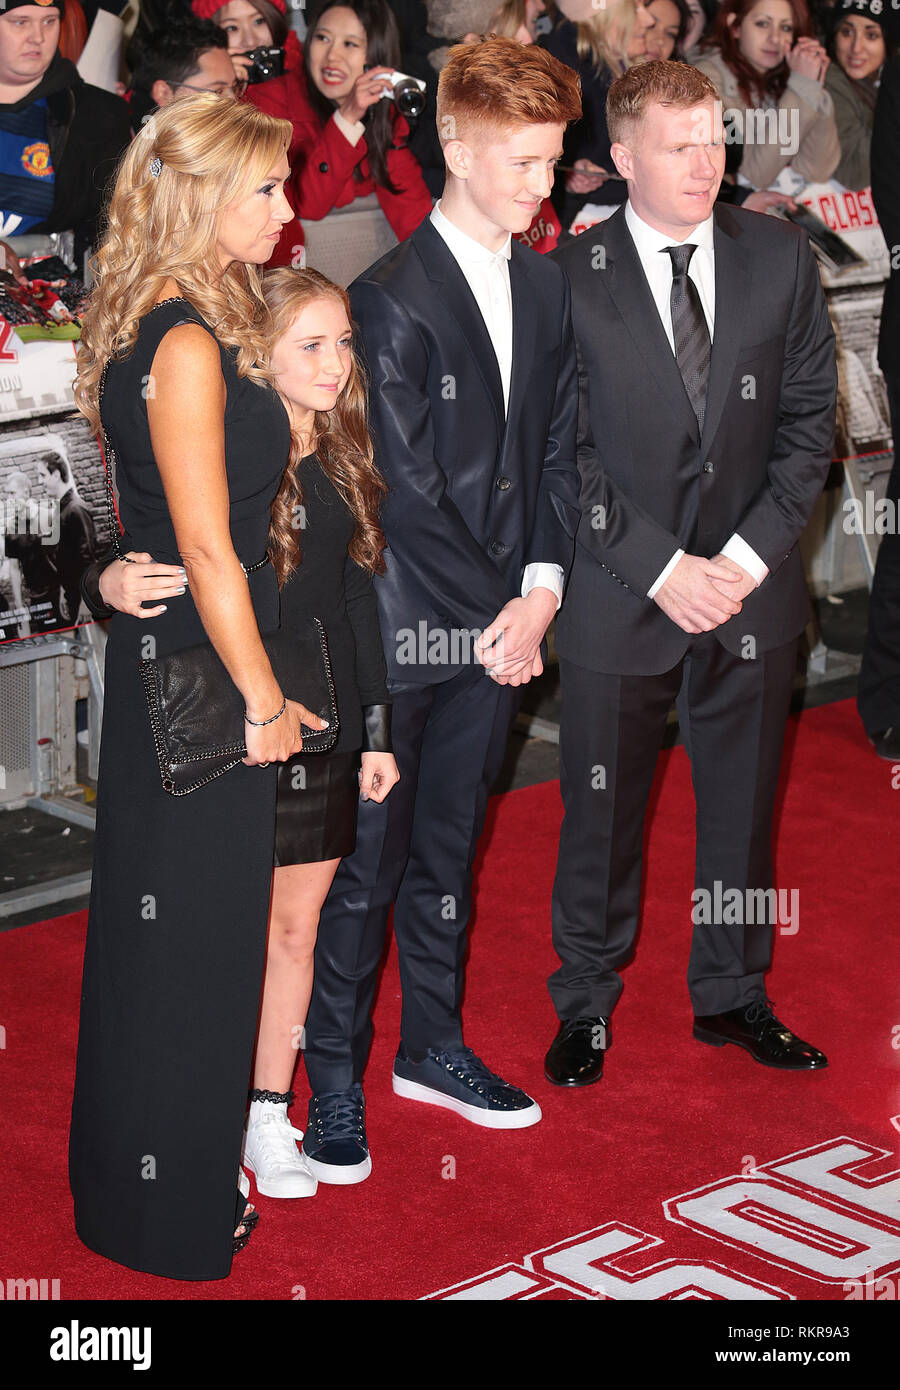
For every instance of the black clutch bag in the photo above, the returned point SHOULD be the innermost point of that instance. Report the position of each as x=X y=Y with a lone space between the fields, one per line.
x=197 y=711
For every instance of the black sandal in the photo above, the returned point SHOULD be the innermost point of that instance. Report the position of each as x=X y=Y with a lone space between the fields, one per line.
x=248 y=1220
x=247 y=1227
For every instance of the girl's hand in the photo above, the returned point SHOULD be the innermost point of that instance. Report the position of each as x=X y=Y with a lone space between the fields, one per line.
x=280 y=740
x=125 y=585
x=366 y=90
x=809 y=58
x=377 y=776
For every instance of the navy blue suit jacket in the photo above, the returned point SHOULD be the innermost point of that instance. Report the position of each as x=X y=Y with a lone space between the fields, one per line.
x=474 y=495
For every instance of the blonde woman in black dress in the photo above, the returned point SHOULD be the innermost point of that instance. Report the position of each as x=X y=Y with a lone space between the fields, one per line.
x=326 y=543
x=176 y=932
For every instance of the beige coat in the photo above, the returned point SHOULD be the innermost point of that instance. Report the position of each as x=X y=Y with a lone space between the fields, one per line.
x=805 y=113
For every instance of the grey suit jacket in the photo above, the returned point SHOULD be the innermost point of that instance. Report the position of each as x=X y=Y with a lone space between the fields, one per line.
x=650 y=484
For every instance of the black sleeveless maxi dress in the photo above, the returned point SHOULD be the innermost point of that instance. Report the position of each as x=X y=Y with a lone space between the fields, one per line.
x=179 y=897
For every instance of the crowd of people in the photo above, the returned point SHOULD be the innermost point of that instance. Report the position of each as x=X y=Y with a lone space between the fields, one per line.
x=815 y=73
x=435 y=463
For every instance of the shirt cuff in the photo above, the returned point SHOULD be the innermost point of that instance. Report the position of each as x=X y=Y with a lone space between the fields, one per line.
x=351 y=130
x=652 y=591
x=742 y=554
x=543 y=575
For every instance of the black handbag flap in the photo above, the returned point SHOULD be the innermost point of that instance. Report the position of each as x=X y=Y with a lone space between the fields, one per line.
x=197 y=712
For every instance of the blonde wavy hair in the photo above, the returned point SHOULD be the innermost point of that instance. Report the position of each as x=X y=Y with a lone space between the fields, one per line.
x=603 y=35
x=213 y=152
x=340 y=438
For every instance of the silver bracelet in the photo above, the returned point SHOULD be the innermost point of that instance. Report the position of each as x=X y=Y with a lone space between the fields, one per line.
x=261 y=723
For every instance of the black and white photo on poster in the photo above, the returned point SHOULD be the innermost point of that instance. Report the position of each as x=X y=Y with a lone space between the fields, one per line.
x=53 y=522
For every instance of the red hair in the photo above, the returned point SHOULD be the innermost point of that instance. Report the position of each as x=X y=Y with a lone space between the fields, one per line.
x=755 y=86
x=73 y=31
x=499 y=84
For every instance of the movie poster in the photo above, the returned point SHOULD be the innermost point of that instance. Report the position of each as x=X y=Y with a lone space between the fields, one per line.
x=53 y=522
x=863 y=436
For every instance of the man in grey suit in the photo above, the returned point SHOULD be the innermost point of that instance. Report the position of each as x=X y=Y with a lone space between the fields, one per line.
x=707 y=394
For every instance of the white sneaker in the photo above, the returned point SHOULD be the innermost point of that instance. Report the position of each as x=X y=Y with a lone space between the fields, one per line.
x=271 y=1153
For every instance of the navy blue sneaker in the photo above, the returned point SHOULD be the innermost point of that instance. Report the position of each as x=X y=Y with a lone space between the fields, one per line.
x=335 y=1142
x=459 y=1081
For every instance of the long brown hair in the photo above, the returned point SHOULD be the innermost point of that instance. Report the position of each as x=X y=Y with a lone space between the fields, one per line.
x=754 y=86
x=382 y=50
x=341 y=438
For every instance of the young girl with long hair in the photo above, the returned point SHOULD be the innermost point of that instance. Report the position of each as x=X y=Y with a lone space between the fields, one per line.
x=350 y=140
x=860 y=44
x=763 y=57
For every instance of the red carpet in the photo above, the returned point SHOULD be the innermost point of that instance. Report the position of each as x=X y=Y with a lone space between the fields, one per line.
x=686 y=1172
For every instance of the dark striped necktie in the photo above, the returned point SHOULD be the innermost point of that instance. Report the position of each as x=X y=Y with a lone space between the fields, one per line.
x=692 y=345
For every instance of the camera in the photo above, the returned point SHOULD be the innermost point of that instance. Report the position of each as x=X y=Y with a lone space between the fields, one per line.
x=265 y=63
x=407 y=93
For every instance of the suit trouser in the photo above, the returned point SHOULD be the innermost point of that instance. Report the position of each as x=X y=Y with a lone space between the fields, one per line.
x=878 y=696
x=732 y=714
x=415 y=850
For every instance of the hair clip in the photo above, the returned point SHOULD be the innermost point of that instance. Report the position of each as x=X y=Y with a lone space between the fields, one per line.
x=155 y=166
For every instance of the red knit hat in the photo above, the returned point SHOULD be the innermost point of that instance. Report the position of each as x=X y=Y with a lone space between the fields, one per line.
x=205 y=9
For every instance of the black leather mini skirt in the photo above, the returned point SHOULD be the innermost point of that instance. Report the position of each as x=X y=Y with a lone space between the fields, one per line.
x=316 y=809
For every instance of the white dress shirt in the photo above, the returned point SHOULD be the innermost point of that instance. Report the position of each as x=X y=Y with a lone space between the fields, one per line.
x=487 y=275
x=657 y=266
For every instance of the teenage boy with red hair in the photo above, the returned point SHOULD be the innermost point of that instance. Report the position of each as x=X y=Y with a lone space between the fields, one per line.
x=473 y=406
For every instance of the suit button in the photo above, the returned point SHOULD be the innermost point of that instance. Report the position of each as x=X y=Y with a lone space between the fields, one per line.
x=503 y=484
x=707 y=468
x=497 y=547
x=323 y=167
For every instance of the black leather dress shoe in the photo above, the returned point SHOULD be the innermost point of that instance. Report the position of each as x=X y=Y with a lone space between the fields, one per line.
x=576 y=1053
x=755 y=1028
x=887 y=744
